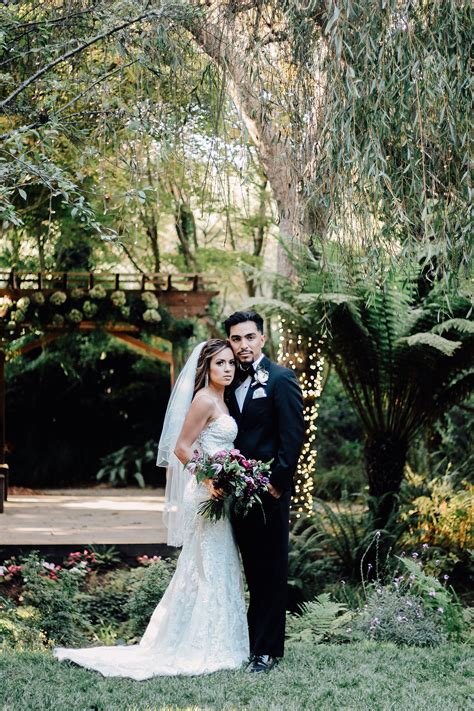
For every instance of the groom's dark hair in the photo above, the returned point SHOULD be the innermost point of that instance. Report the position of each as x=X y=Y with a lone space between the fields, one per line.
x=241 y=317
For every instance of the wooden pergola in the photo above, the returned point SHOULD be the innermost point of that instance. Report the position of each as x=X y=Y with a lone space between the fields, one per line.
x=183 y=295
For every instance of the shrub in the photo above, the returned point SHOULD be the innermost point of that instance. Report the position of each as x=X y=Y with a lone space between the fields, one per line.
x=391 y=615
x=19 y=626
x=106 y=598
x=55 y=599
x=340 y=481
x=443 y=517
x=119 y=468
x=436 y=596
x=149 y=584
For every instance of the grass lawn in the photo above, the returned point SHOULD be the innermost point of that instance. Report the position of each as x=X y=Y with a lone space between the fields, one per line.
x=355 y=676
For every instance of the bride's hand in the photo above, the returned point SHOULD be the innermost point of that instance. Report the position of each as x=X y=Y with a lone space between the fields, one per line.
x=215 y=493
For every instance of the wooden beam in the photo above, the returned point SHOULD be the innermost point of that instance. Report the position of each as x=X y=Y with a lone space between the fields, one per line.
x=146 y=349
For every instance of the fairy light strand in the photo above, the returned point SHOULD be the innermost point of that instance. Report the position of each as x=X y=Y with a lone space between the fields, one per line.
x=304 y=357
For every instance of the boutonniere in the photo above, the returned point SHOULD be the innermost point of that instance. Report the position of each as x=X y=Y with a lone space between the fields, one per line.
x=260 y=377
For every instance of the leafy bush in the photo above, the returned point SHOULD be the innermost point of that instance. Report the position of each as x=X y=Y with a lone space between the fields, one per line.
x=340 y=468
x=340 y=481
x=119 y=468
x=322 y=620
x=436 y=597
x=91 y=396
x=20 y=626
x=148 y=585
x=391 y=615
x=55 y=599
x=442 y=517
x=106 y=597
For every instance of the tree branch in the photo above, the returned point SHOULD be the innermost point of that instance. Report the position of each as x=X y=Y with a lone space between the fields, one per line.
x=24 y=85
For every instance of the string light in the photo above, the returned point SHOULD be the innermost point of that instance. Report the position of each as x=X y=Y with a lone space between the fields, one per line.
x=309 y=366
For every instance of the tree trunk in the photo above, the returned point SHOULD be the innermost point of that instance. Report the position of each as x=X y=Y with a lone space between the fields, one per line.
x=224 y=40
x=385 y=457
x=186 y=231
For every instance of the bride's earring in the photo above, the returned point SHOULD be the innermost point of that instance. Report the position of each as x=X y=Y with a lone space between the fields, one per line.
x=206 y=381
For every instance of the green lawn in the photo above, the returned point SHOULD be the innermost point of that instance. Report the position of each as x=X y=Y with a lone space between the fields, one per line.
x=355 y=676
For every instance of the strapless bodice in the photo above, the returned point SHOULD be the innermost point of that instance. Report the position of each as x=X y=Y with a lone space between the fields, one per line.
x=219 y=434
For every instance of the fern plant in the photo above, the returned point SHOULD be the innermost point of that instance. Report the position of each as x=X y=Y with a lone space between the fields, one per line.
x=402 y=360
x=321 y=620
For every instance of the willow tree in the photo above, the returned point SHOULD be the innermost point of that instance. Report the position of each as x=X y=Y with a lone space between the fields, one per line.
x=358 y=110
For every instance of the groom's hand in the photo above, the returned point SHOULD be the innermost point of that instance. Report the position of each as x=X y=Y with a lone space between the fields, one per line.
x=274 y=492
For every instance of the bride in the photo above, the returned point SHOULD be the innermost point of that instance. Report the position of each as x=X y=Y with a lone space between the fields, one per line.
x=200 y=624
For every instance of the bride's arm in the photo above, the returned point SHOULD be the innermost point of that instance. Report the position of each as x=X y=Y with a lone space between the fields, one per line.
x=198 y=415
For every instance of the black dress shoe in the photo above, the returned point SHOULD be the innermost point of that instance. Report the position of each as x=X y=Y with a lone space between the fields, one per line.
x=261 y=663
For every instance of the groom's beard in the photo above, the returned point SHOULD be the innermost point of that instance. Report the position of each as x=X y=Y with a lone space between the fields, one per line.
x=246 y=365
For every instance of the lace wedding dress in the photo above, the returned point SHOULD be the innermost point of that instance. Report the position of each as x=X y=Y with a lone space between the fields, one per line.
x=200 y=624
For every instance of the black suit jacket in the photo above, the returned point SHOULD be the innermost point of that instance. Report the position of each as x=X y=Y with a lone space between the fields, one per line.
x=272 y=427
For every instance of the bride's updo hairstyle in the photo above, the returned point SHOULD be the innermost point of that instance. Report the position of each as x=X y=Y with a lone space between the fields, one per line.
x=213 y=346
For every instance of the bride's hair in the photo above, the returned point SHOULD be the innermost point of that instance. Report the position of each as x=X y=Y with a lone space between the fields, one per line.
x=213 y=346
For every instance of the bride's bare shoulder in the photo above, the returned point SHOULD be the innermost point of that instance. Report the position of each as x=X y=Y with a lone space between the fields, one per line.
x=203 y=400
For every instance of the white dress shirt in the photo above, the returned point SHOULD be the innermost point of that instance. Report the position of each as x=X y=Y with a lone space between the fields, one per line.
x=241 y=391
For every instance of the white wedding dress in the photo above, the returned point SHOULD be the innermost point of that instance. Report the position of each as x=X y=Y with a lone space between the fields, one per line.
x=200 y=624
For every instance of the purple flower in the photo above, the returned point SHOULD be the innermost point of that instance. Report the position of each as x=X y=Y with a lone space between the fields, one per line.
x=432 y=593
x=446 y=577
x=414 y=555
x=440 y=610
x=425 y=545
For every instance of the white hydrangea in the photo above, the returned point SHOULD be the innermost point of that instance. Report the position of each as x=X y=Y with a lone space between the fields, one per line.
x=74 y=316
x=58 y=320
x=150 y=300
x=37 y=298
x=89 y=309
x=98 y=292
x=77 y=293
x=58 y=298
x=23 y=303
x=151 y=316
x=118 y=298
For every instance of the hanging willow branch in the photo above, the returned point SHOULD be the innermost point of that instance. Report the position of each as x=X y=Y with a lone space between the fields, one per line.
x=392 y=165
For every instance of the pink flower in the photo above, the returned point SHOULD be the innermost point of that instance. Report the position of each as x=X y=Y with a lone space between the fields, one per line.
x=235 y=452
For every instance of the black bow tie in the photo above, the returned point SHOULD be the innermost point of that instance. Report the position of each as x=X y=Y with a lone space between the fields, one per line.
x=243 y=373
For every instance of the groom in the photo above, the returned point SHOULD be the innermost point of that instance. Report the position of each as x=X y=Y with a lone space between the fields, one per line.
x=266 y=402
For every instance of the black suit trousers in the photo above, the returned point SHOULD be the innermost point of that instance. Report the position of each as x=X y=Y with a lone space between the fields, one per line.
x=262 y=537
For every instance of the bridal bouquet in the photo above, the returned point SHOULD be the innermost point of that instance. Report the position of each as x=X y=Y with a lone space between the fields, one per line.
x=241 y=481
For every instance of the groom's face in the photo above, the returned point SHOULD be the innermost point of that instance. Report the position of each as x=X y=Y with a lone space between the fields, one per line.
x=246 y=341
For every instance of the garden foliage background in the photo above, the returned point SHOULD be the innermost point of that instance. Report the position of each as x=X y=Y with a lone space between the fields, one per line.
x=310 y=159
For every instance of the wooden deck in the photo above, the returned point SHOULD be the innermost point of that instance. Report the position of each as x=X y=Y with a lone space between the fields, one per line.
x=82 y=517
